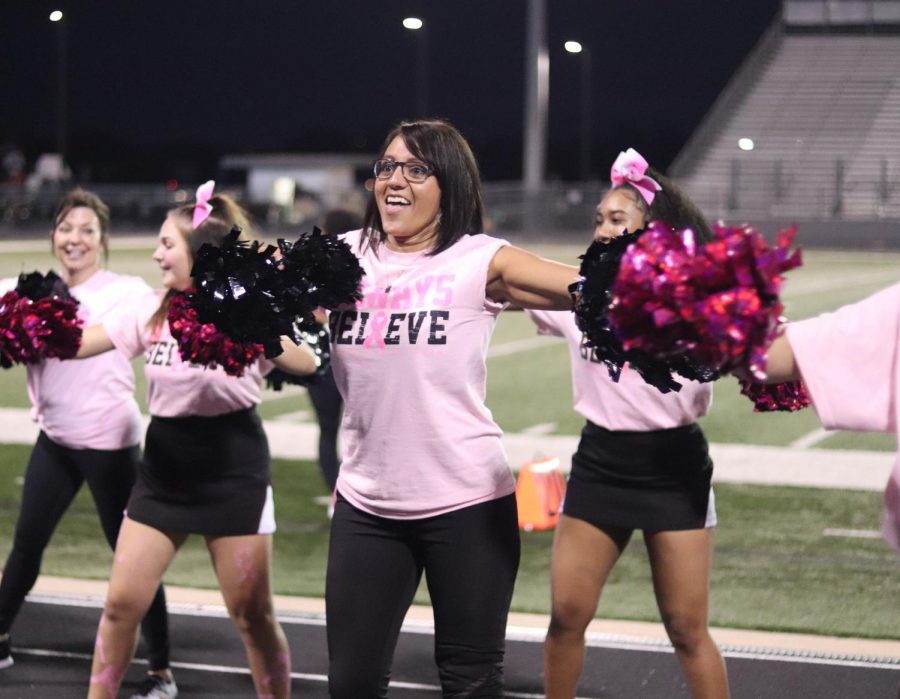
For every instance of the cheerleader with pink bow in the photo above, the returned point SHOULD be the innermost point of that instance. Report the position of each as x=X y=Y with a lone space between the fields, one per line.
x=205 y=467
x=642 y=462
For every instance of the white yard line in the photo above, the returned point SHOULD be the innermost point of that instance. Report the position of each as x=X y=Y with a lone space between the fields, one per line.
x=852 y=533
x=810 y=439
x=516 y=346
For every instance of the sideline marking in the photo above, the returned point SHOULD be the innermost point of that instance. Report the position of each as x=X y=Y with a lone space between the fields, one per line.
x=809 y=439
x=853 y=533
x=522 y=634
x=541 y=428
x=232 y=670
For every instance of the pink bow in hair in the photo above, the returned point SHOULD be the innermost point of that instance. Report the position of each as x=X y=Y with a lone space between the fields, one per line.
x=202 y=209
x=630 y=167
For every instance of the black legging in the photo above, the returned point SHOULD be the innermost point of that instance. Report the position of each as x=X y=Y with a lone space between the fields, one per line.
x=470 y=558
x=326 y=400
x=52 y=480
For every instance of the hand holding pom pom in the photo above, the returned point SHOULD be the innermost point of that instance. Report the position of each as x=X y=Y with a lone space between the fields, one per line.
x=248 y=297
x=717 y=304
x=204 y=343
x=599 y=268
x=316 y=338
x=38 y=320
x=235 y=283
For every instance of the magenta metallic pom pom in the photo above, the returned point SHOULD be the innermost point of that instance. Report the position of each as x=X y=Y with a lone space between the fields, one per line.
x=592 y=296
x=203 y=343
x=789 y=397
x=717 y=303
x=39 y=319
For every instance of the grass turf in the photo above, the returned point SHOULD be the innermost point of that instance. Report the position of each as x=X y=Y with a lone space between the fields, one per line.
x=774 y=569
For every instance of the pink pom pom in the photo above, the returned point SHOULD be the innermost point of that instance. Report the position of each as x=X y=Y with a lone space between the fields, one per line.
x=203 y=343
x=790 y=396
x=32 y=330
x=717 y=303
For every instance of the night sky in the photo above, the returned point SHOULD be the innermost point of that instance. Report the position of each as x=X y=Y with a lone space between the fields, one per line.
x=163 y=88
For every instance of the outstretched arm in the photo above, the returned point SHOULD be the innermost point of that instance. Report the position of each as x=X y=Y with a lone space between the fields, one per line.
x=94 y=341
x=780 y=363
x=526 y=280
x=295 y=359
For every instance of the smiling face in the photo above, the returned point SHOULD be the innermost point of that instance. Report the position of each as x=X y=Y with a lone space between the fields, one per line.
x=617 y=213
x=77 y=241
x=409 y=211
x=173 y=257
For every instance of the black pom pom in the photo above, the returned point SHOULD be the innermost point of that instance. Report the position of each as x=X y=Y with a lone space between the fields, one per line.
x=593 y=294
x=35 y=285
x=236 y=290
x=321 y=270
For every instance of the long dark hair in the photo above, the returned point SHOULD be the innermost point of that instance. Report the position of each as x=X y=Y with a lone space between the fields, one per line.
x=225 y=214
x=440 y=145
x=673 y=206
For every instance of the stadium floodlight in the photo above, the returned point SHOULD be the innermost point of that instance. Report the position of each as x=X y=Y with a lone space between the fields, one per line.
x=56 y=16
x=573 y=47
x=746 y=144
x=413 y=23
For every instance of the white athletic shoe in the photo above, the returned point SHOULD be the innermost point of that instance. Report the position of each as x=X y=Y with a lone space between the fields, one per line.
x=156 y=687
x=6 y=658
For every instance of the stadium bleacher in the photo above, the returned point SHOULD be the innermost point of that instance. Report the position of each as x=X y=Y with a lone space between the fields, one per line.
x=821 y=104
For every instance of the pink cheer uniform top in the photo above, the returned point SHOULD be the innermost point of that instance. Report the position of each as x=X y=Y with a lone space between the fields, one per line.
x=850 y=363
x=631 y=404
x=176 y=388
x=409 y=361
x=89 y=403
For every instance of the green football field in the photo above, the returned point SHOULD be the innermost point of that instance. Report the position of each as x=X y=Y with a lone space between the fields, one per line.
x=773 y=568
x=532 y=386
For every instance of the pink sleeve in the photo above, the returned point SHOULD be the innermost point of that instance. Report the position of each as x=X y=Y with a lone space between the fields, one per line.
x=848 y=360
x=547 y=322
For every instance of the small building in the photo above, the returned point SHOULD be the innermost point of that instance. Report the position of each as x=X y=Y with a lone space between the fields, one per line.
x=296 y=187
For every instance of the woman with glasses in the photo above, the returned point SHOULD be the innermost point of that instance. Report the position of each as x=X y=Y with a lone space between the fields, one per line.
x=425 y=485
x=642 y=463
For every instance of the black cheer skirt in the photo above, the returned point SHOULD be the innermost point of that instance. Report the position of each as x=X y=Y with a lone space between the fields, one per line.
x=205 y=475
x=657 y=480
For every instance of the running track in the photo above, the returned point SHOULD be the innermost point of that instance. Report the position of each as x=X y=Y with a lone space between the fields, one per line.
x=53 y=638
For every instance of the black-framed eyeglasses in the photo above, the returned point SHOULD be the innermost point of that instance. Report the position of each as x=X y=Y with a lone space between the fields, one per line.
x=413 y=170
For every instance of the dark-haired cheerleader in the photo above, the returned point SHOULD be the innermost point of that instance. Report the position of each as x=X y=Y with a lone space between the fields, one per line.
x=425 y=487
x=205 y=467
x=642 y=463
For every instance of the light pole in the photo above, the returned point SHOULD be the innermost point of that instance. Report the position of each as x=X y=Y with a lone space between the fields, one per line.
x=585 y=159
x=56 y=17
x=537 y=91
x=415 y=24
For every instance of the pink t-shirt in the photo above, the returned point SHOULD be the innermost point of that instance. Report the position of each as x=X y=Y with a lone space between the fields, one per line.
x=409 y=360
x=89 y=403
x=631 y=404
x=176 y=388
x=850 y=362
